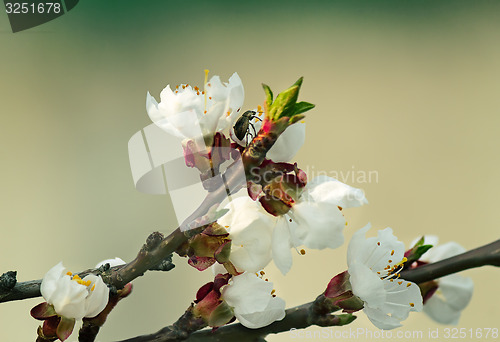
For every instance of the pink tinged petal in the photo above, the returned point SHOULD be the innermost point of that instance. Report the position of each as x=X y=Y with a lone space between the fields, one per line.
x=288 y=143
x=367 y=285
x=281 y=245
x=325 y=224
x=69 y=298
x=49 y=281
x=330 y=190
x=381 y=320
x=275 y=311
x=98 y=298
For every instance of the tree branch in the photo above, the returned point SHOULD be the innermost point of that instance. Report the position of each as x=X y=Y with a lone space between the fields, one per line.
x=319 y=311
x=486 y=255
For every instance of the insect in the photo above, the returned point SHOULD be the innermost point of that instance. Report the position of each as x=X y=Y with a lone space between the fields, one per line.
x=243 y=124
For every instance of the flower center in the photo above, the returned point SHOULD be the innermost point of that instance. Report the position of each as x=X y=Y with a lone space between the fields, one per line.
x=79 y=280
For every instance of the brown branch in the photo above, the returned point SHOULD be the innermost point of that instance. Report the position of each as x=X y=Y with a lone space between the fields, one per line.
x=317 y=312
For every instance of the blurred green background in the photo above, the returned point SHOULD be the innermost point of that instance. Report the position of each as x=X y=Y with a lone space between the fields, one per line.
x=409 y=89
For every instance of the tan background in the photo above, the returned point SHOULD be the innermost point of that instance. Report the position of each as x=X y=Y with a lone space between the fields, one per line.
x=409 y=89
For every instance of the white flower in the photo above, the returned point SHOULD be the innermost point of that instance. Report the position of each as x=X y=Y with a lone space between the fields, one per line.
x=188 y=112
x=250 y=229
x=73 y=297
x=112 y=262
x=314 y=221
x=252 y=301
x=373 y=266
x=454 y=291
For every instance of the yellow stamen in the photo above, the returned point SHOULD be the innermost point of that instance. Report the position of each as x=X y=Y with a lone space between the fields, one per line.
x=390 y=260
x=204 y=92
x=93 y=288
x=76 y=277
x=273 y=291
x=408 y=285
x=400 y=282
x=412 y=304
x=302 y=252
x=378 y=243
x=392 y=252
x=69 y=273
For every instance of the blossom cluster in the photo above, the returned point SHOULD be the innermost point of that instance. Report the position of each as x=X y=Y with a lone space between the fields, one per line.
x=273 y=210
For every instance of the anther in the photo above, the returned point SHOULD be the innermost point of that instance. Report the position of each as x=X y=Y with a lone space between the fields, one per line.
x=302 y=252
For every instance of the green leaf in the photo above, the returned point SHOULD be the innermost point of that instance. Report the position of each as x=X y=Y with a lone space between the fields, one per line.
x=269 y=95
x=285 y=102
x=221 y=315
x=65 y=328
x=302 y=107
x=299 y=82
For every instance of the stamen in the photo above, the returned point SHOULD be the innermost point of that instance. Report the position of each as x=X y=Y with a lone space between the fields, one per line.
x=69 y=273
x=392 y=252
x=378 y=243
x=93 y=288
x=400 y=282
x=412 y=304
x=262 y=272
x=302 y=251
x=204 y=92
x=408 y=285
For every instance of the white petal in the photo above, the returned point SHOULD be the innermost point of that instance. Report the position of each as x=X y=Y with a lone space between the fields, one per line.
x=367 y=285
x=444 y=251
x=97 y=299
x=288 y=143
x=376 y=252
x=330 y=190
x=247 y=293
x=400 y=296
x=281 y=246
x=160 y=118
x=325 y=224
x=69 y=298
x=112 y=262
x=275 y=311
x=49 y=281
x=452 y=296
x=250 y=229
x=381 y=320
